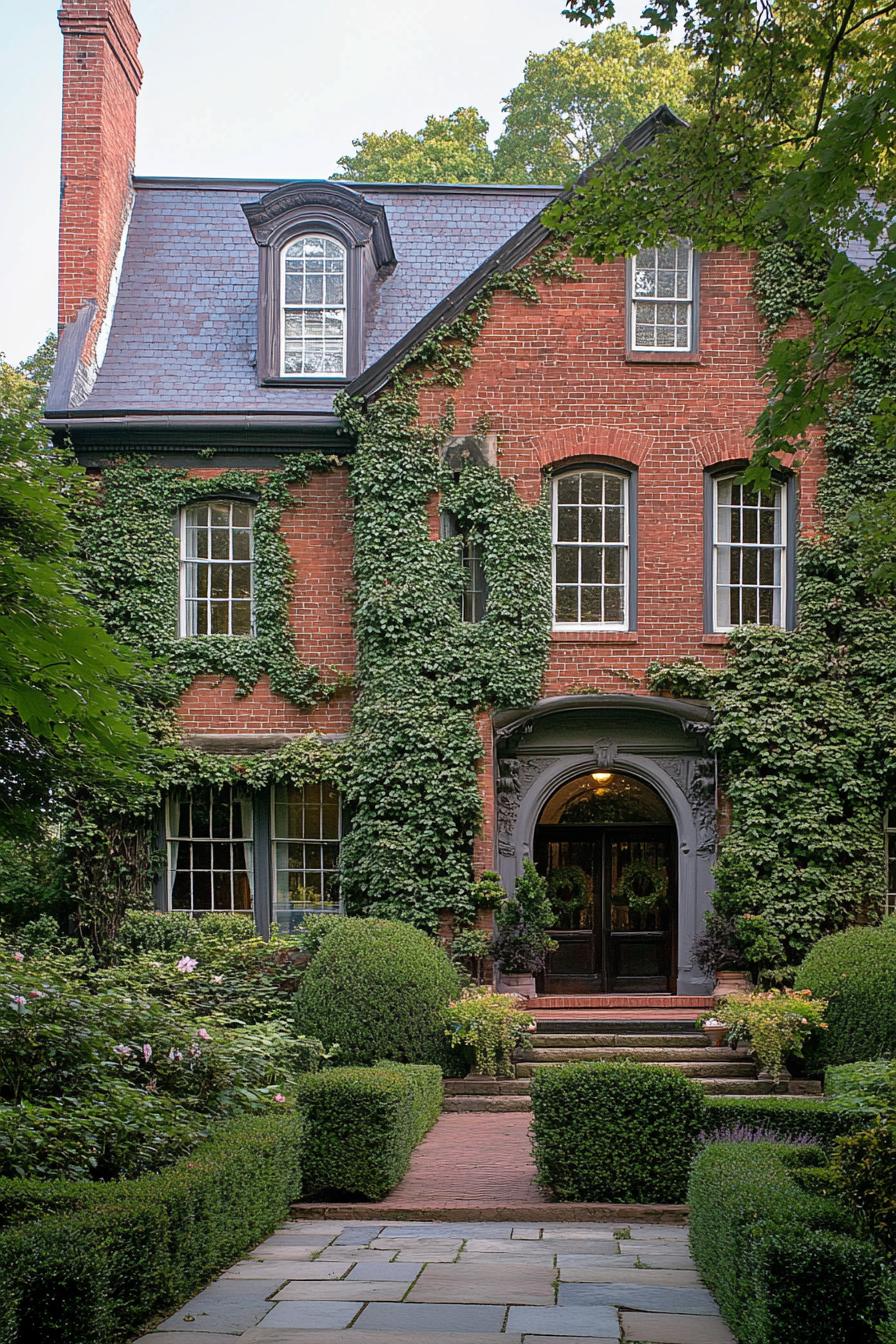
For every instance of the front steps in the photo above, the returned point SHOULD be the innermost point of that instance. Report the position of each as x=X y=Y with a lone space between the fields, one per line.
x=674 y=1045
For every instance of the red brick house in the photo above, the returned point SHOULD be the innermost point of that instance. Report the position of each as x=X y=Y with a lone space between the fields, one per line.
x=209 y=316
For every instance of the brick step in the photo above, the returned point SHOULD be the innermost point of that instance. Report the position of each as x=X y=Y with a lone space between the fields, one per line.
x=728 y=1068
x=644 y=1055
x=455 y=1087
x=574 y=1040
x=603 y=1002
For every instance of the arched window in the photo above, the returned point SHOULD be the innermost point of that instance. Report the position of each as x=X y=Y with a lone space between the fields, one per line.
x=313 y=287
x=751 y=553
x=216 y=568
x=591 y=550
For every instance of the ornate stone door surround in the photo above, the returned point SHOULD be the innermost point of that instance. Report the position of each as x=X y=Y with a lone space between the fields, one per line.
x=657 y=739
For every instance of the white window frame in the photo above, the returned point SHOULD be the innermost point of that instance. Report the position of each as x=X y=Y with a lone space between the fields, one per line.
x=186 y=562
x=889 y=845
x=173 y=838
x=624 y=547
x=780 y=488
x=687 y=303
x=286 y=308
x=329 y=907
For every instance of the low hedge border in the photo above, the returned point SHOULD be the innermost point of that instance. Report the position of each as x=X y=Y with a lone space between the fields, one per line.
x=94 y=1262
x=620 y=1133
x=364 y=1123
x=782 y=1263
x=783 y=1117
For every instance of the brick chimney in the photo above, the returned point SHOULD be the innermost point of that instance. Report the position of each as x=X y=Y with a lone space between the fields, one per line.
x=100 y=83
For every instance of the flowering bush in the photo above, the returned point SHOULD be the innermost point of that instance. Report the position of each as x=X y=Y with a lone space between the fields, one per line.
x=776 y=1023
x=491 y=1025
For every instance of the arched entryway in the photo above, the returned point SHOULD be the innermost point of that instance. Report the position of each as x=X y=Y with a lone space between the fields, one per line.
x=606 y=841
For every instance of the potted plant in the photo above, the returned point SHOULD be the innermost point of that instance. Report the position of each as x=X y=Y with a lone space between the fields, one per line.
x=718 y=954
x=472 y=946
x=490 y=1027
x=714 y=1028
x=521 y=945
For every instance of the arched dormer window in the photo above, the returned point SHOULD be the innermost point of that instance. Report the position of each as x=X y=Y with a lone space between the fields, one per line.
x=217 y=568
x=321 y=249
x=313 y=289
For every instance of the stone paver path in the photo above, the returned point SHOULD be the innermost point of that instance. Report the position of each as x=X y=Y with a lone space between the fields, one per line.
x=456 y=1283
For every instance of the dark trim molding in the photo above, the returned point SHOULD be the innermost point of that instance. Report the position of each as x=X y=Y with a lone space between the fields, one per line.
x=267 y=184
x=693 y=715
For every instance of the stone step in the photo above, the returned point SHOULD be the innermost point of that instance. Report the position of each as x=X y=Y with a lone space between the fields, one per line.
x=454 y=1104
x=716 y=1087
x=485 y=1086
x=692 y=1040
x=730 y=1068
x=644 y=1055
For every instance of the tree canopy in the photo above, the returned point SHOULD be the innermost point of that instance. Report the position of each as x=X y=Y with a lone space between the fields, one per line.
x=66 y=709
x=573 y=104
x=790 y=140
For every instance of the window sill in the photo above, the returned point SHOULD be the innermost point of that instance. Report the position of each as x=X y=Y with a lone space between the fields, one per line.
x=291 y=381
x=594 y=636
x=663 y=357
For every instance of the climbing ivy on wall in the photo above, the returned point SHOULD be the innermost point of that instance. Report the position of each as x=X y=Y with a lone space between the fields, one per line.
x=131 y=546
x=423 y=673
x=805 y=720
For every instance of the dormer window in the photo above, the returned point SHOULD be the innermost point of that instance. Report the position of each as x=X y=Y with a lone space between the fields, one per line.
x=321 y=249
x=314 y=307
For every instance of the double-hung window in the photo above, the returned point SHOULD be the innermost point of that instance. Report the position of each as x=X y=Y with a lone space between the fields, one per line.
x=662 y=285
x=591 y=549
x=750 y=554
x=216 y=581
x=474 y=593
x=209 y=838
x=313 y=286
x=306 y=829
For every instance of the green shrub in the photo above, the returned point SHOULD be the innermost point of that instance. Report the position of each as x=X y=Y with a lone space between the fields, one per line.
x=379 y=988
x=865 y=1169
x=782 y=1117
x=617 y=1133
x=364 y=1123
x=868 y=1084
x=491 y=1025
x=853 y=970
x=783 y=1264
x=886 y=1331
x=100 y=1261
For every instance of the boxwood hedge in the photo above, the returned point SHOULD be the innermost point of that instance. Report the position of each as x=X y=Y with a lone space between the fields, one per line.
x=378 y=988
x=616 y=1133
x=782 y=1118
x=94 y=1261
x=853 y=970
x=783 y=1264
x=364 y=1123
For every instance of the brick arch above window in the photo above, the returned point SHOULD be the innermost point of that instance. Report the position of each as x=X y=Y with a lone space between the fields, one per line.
x=570 y=447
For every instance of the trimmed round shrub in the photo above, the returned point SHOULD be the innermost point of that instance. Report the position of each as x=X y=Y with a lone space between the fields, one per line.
x=379 y=989
x=856 y=972
x=615 y=1133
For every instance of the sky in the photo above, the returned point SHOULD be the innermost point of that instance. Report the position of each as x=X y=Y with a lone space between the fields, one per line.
x=239 y=89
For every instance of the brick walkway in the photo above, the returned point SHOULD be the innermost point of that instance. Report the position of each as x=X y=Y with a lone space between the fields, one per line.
x=456 y=1283
x=488 y=1158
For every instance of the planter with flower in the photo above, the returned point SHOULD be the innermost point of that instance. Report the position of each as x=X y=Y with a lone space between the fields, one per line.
x=775 y=1024
x=734 y=949
x=490 y=1026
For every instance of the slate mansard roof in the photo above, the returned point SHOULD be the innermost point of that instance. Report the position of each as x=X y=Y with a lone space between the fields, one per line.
x=184 y=329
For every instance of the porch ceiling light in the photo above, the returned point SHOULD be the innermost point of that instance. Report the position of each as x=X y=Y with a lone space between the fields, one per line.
x=602 y=776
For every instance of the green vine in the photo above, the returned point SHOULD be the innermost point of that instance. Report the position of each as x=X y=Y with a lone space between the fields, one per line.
x=132 y=552
x=805 y=720
x=423 y=673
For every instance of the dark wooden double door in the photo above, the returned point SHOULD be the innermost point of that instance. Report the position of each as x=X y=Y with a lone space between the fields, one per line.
x=604 y=945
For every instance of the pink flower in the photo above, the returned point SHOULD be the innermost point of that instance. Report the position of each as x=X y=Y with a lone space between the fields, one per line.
x=18 y=1001
x=175 y=1055
x=203 y=1034
x=122 y=1051
x=194 y=1051
x=186 y=965
x=147 y=1053
x=278 y=1096
x=217 y=979
x=36 y=994
x=18 y=956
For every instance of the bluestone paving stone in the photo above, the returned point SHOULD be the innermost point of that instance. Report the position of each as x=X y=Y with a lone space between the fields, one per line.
x=228 y=1306
x=663 y=1328
x=568 y=1339
x=317 y=1269
x=357 y=1337
x=431 y=1257
x=341 y=1291
x=355 y=1255
x=679 y=1301
x=264 y=1269
x=593 y=1322
x=530 y=1285
x=358 y=1236
x=400 y=1271
x=616 y=1273
x=411 y=1317
x=310 y=1315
